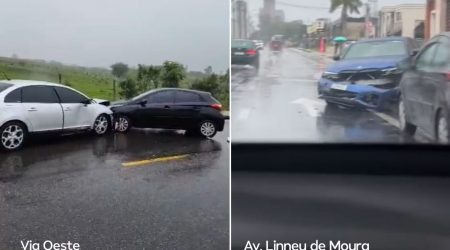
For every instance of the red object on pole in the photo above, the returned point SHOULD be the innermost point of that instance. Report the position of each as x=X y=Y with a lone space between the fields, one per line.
x=322 y=45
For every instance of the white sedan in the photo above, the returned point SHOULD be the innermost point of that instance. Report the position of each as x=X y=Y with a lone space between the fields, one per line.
x=35 y=106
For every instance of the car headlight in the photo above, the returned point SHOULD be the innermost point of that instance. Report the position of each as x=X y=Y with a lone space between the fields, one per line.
x=391 y=71
x=330 y=75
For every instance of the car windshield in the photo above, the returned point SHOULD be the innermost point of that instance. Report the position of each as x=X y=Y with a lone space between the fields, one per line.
x=375 y=49
x=242 y=44
x=4 y=86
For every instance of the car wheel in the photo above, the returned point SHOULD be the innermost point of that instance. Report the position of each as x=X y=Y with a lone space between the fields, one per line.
x=123 y=124
x=207 y=129
x=442 y=129
x=13 y=135
x=405 y=126
x=101 y=125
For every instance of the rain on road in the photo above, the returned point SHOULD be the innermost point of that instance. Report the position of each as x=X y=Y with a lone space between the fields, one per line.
x=102 y=193
x=281 y=104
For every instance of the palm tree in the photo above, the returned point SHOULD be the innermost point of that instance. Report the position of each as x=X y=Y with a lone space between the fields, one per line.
x=348 y=7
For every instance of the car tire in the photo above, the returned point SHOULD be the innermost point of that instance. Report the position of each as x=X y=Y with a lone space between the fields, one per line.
x=13 y=136
x=442 y=133
x=101 y=125
x=207 y=129
x=123 y=124
x=405 y=126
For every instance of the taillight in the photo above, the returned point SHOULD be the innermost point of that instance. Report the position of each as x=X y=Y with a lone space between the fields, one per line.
x=251 y=52
x=217 y=106
x=447 y=76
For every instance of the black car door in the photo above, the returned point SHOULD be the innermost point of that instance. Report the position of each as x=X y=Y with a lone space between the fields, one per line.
x=415 y=86
x=187 y=109
x=156 y=110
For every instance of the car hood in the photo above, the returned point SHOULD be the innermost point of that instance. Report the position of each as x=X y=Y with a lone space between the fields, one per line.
x=119 y=103
x=366 y=63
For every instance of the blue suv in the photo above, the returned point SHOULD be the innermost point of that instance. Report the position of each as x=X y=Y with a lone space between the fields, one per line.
x=366 y=75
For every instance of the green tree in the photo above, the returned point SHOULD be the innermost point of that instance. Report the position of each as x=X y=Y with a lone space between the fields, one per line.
x=209 y=70
x=172 y=74
x=128 y=88
x=208 y=84
x=148 y=77
x=348 y=7
x=119 y=70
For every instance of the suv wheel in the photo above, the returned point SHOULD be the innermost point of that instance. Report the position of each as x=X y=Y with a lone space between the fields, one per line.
x=405 y=126
x=101 y=125
x=13 y=135
x=442 y=129
x=207 y=128
x=123 y=124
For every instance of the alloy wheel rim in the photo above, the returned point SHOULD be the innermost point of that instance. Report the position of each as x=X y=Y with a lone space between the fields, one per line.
x=207 y=129
x=101 y=125
x=122 y=124
x=12 y=137
x=401 y=112
x=442 y=130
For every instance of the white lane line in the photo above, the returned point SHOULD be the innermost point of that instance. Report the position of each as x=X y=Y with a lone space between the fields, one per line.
x=244 y=114
x=389 y=119
x=314 y=108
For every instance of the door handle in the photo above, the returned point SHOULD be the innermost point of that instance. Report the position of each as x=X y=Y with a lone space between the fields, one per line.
x=32 y=109
x=67 y=109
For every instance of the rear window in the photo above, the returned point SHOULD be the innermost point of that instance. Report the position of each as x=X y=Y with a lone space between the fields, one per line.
x=4 y=86
x=242 y=44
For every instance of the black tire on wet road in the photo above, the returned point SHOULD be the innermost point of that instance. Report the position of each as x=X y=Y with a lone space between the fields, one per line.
x=13 y=136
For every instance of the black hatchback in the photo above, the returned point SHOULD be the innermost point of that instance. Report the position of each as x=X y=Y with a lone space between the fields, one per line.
x=196 y=112
x=425 y=90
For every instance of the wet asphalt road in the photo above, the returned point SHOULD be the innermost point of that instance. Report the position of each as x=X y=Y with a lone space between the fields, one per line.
x=281 y=104
x=76 y=189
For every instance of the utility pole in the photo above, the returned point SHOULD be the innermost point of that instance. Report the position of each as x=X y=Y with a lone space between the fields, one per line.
x=367 y=20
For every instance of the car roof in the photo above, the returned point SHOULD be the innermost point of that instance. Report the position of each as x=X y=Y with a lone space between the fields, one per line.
x=182 y=89
x=21 y=83
x=389 y=38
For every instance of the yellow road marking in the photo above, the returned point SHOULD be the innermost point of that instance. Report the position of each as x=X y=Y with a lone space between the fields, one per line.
x=154 y=160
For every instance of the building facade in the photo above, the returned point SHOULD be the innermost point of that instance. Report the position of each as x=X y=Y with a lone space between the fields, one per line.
x=239 y=19
x=402 y=20
x=437 y=17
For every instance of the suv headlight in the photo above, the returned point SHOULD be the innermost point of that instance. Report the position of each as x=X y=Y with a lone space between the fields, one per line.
x=330 y=75
x=391 y=71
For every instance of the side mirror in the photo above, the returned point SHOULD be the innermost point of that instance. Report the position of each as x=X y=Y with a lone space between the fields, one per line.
x=336 y=58
x=414 y=52
x=406 y=64
x=142 y=103
x=86 y=101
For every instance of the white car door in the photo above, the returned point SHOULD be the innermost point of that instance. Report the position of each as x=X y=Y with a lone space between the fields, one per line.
x=77 y=113
x=41 y=108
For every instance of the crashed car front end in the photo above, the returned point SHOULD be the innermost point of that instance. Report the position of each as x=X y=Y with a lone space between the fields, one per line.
x=375 y=89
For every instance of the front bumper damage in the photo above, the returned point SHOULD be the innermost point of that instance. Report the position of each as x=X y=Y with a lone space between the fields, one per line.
x=360 y=94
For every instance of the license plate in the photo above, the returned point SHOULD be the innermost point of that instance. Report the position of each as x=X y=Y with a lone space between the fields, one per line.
x=339 y=86
x=239 y=53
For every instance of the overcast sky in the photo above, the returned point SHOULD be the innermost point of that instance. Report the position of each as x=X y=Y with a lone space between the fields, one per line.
x=102 y=32
x=310 y=14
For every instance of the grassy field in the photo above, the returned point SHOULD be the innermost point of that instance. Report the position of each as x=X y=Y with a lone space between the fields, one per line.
x=95 y=82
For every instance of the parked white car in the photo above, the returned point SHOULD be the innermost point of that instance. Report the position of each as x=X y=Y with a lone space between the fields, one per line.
x=34 y=106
